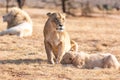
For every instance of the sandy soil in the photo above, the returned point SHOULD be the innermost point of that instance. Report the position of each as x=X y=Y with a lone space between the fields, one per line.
x=25 y=58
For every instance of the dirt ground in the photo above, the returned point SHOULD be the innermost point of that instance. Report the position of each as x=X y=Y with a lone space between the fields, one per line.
x=25 y=58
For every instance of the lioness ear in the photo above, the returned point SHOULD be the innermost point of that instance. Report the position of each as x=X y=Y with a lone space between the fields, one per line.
x=49 y=14
x=14 y=10
x=64 y=14
x=54 y=14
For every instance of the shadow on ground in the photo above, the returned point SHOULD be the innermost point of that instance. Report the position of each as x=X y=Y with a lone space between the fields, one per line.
x=22 y=61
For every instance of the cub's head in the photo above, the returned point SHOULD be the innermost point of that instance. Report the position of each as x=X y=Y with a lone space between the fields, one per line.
x=58 y=20
x=74 y=58
x=78 y=61
x=68 y=58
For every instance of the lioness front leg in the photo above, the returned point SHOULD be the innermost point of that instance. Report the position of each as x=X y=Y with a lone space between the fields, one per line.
x=61 y=52
x=49 y=52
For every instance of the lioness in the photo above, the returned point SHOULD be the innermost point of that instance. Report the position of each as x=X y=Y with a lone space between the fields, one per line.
x=18 y=23
x=91 y=61
x=56 y=39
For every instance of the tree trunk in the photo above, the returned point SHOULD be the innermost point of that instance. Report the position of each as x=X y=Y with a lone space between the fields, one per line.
x=20 y=3
x=7 y=2
x=63 y=6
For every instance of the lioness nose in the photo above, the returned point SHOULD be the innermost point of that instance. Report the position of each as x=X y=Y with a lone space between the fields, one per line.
x=3 y=16
x=60 y=25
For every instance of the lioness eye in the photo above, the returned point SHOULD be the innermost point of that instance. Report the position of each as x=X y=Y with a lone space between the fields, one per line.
x=56 y=19
x=15 y=15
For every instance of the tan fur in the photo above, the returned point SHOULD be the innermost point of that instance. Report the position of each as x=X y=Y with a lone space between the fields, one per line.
x=56 y=39
x=18 y=23
x=91 y=61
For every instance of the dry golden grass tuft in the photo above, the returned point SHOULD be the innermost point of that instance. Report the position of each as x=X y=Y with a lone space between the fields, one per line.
x=25 y=58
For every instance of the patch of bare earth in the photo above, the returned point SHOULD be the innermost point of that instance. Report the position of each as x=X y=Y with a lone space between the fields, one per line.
x=25 y=58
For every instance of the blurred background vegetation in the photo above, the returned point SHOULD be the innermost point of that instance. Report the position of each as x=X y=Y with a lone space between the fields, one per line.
x=72 y=7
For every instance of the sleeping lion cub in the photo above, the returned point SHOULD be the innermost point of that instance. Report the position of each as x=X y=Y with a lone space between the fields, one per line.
x=56 y=39
x=91 y=61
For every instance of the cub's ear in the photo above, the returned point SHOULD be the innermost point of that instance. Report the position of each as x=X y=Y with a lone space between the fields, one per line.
x=49 y=14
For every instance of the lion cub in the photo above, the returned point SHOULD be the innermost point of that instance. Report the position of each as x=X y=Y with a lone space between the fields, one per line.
x=91 y=61
x=56 y=39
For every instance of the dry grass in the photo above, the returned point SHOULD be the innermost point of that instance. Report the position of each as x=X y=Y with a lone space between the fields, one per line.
x=25 y=58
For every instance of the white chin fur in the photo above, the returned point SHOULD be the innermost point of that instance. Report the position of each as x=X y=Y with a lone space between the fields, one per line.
x=60 y=30
x=4 y=20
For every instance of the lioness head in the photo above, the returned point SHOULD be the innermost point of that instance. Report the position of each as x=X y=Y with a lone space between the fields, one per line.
x=11 y=15
x=14 y=17
x=8 y=17
x=58 y=20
